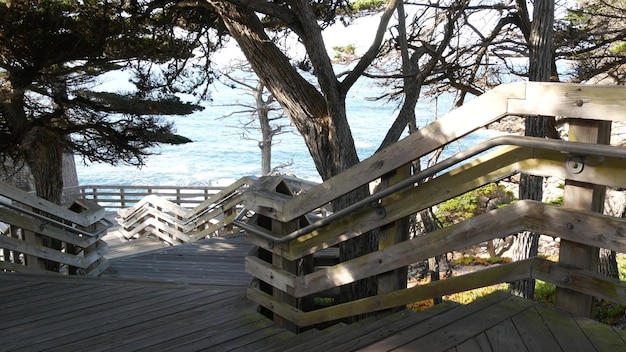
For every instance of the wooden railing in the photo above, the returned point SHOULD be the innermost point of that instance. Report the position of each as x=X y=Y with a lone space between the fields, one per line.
x=287 y=239
x=118 y=197
x=41 y=237
x=174 y=223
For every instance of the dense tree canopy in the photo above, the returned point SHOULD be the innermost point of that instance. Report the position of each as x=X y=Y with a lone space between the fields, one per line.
x=52 y=56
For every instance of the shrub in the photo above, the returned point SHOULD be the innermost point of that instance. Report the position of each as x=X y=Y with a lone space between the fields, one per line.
x=473 y=203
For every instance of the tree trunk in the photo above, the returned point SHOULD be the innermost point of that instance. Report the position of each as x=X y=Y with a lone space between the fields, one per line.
x=321 y=119
x=44 y=156
x=607 y=264
x=262 y=108
x=526 y=244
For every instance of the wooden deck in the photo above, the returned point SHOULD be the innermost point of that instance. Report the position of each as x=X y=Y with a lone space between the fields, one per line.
x=192 y=297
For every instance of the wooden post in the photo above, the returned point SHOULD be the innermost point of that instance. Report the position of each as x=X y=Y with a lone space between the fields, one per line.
x=391 y=234
x=290 y=266
x=581 y=196
x=297 y=267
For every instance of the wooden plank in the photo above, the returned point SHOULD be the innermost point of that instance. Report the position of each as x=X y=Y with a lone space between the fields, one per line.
x=583 y=281
x=205 y=340
x=309 y=336
x=478 y=343
x=236 y=343
x=126 y=313
x=504 y=337
x=341 y=333
x=454 y=237
x=501 y=163
x=264 y=271
x=565 y=330
x=29 y=223
x=504 y=273
x=285 y=310
x=589 y=228
x=73 y=319
x=436 y=323
x=391 y=234
x=603 y=337
x=582 y=196
x=43 y=205
x=532 y=329
x=46 y=303
x=220 y=310
x=257 y=346
x=591 y=101
x=463 y=328
x=362 y=337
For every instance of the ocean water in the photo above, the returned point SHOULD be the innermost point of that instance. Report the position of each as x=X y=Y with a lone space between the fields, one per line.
x=218 y=155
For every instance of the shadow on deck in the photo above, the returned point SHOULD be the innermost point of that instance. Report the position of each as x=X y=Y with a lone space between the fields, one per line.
x=192 y=297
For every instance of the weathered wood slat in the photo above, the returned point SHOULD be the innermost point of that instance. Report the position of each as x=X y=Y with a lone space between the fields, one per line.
x=433 y=324
x=456 y=331
x=41 y=251
x=495 y=166
x=572 y=100
x=158 y=330
x=565 y=330
x=41 y=204
x=37 y=225
x=478 y=343
x=153 y=305
x=237 y=327
x=603 y=339
x=513 y=342
x=585 y=281
x=532 y=329
x=454 y=125
x=380 y=329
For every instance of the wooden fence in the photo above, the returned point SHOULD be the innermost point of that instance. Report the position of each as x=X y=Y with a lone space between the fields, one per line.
x=287 y=239
x=166 y=212
x=42 y=237
x=119 y=197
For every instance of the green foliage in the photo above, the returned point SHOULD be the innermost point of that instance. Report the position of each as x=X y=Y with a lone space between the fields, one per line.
x=621 y=266
x=344 y=51
x=472 y=260
x=608 y=312
x=52 y=53
x=473 y=203
x=558 y=201
x=618 y=48
x=367 y=5
x=544 y=292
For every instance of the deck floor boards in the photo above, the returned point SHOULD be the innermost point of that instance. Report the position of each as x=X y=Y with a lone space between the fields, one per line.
x=192 y=298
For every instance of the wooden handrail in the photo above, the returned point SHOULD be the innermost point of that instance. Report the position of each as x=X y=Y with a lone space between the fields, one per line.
x=594 y=284
x=173 y=223
x=592 y=229
x=605 y=103
x=79 y=230
x=497 y=165
x=123 y=196
x=289 y=280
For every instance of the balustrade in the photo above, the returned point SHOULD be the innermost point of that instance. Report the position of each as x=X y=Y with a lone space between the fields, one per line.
x=289 y=240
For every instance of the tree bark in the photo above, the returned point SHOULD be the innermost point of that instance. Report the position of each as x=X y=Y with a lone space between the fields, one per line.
x=607 y=264
x=526 y=244
x=44 y=155
x=319 y=117
x=262 y=108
